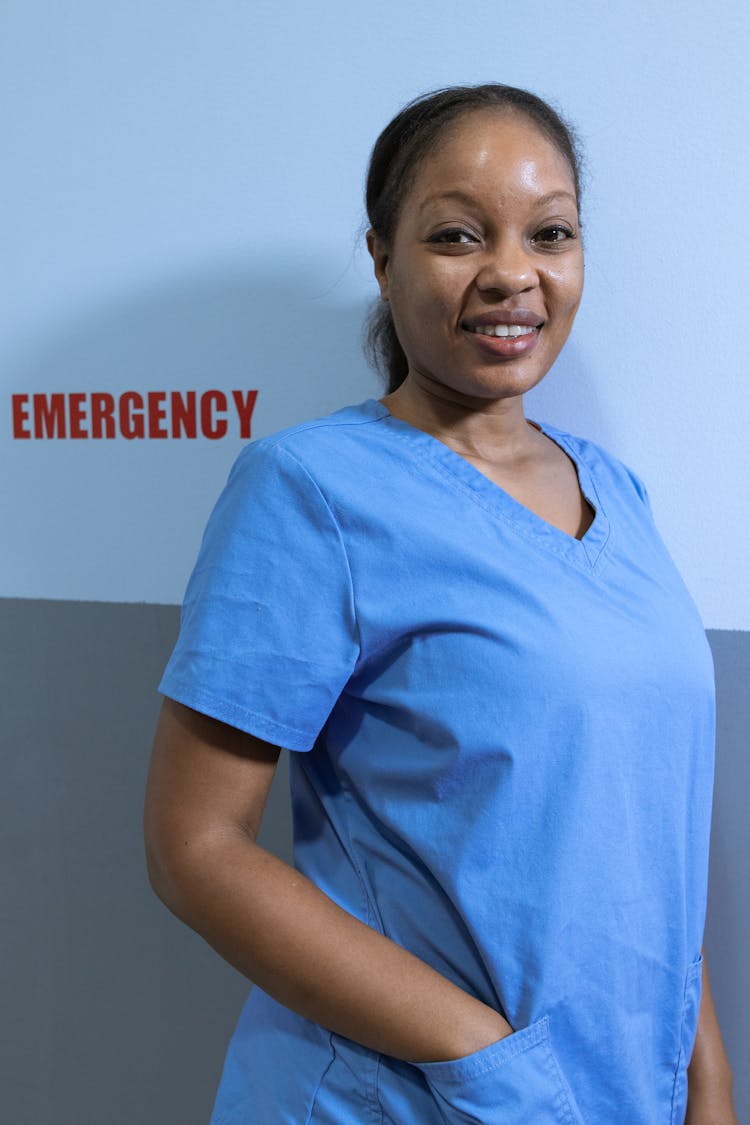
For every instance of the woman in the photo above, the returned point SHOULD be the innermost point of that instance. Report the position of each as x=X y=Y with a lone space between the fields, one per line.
x=497 y=693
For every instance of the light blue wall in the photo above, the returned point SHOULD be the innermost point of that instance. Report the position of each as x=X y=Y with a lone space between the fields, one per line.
x=182 y=199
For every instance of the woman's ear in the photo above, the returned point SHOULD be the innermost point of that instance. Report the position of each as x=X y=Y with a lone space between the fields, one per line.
x=379 y=254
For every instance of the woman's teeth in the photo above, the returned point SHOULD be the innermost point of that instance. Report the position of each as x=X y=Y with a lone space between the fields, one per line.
x=503 y=330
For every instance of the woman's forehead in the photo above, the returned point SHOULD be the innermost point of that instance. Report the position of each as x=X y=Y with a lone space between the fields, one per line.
x=491 y=152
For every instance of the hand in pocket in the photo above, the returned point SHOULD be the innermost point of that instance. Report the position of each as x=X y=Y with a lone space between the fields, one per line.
x=515 y=1081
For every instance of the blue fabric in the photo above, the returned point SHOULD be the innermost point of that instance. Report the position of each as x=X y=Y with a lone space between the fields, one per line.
x=505 y=754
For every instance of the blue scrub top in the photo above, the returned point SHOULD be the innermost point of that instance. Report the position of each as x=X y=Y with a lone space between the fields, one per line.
x=503 y=761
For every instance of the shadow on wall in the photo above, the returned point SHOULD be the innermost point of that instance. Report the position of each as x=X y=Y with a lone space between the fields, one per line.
x=568 y=397
x=126 y=515
x=126 y=519
x=281 y=328
x=230 y=321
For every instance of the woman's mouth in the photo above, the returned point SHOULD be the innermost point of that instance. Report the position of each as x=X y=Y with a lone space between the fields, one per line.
x=513 y=330
x=503 y=341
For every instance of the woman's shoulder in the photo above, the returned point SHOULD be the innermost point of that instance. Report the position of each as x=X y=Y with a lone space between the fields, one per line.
x=319 y=437
x=328 y=427
x=321 y=454
x=605 y=467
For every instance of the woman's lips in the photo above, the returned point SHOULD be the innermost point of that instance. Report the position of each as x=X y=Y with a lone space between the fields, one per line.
x=504 y=340
x=503 y=318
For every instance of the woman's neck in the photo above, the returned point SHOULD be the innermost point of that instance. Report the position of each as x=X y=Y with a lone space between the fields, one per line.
x=492 y=429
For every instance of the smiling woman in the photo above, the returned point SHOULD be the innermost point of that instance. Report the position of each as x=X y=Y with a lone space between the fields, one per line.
x=486 y=262
x=497 y=693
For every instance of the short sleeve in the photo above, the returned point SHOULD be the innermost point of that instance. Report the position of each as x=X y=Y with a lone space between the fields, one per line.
x=268 y=635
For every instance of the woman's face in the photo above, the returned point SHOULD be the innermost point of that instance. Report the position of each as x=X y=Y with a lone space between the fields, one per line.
x=485 y=270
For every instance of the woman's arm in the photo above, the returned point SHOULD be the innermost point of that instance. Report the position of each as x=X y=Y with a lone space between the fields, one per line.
x=207 y=787
x=710 y=1100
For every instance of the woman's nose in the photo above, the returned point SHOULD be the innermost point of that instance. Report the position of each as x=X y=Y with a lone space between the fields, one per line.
x=508 y=268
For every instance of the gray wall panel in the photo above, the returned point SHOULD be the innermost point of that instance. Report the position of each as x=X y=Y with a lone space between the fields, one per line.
x=113 y=1012
x=728 y=924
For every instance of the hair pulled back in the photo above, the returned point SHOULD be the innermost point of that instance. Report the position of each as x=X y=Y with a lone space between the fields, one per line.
x=398 y=151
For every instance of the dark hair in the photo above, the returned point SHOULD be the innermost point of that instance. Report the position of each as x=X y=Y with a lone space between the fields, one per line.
x=402 y=145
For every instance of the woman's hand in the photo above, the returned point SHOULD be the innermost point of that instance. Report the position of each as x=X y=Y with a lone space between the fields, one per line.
x=710 y=1100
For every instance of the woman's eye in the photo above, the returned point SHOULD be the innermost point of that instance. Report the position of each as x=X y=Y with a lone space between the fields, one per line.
x=453 y=236
x=554 y=234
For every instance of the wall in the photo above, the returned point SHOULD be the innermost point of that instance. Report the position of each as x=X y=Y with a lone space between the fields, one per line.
x=182 y=202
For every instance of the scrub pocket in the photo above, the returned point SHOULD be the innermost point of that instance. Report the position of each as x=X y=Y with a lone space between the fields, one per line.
x=513 y=1082
x=690 y=1008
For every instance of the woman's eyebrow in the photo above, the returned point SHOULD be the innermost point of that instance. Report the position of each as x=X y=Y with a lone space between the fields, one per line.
x=469 y=200
x=457 y=195
x=551 y=196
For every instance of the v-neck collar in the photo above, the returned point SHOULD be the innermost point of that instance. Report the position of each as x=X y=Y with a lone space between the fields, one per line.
x=585 y=552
